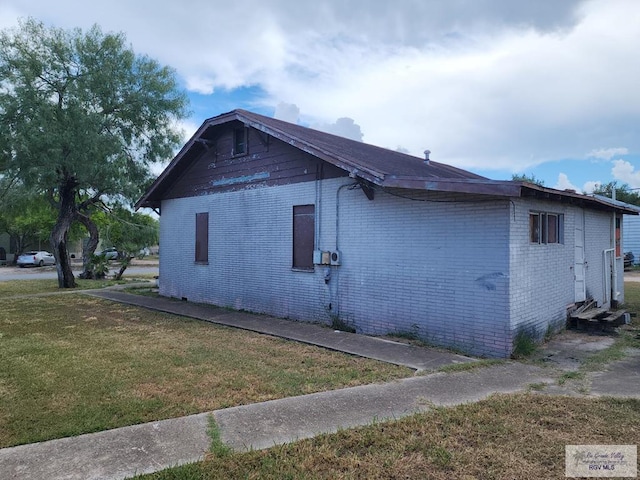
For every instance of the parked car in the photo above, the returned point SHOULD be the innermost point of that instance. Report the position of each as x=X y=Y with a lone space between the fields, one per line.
x=628 y=260
x=36 y=259
x=110 y=253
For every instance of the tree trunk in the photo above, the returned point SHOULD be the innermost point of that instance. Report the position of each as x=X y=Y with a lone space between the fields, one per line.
x=58 y=239
x=91 y=246
x=126 y=261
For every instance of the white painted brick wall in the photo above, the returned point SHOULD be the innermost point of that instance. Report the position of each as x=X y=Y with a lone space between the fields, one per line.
x=250 y=236
x=435 y=269
x=440 y=270
x=408 y=266
x=599 y=236
x=542 y=276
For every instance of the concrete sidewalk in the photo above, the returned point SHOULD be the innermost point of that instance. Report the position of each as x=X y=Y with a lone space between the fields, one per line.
x=124 y=452
x=398 y=353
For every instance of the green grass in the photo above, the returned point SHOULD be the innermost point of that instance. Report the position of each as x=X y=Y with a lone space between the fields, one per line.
x=217 y=448
x=632 y=298
x=505 y=436
x=32 y=287
x=536 y=387
x=74 y=364
x=151 y=291
x=524 y=345
x=628 y=336
x=571 y=375
x=466 y=366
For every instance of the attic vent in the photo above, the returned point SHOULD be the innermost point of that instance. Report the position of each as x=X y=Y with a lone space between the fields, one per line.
x=426 y=156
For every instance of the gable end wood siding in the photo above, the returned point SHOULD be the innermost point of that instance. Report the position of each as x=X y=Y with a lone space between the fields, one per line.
x=268 y=162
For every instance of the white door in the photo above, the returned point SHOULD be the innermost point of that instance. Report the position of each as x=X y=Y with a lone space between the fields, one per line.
x=578 y=266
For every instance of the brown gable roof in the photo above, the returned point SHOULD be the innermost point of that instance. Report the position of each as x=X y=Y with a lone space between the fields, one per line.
x=355 y=157
x=380 y=166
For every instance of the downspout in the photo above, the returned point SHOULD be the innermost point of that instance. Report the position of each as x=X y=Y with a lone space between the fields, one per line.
x=337 y=270
x=338 y=209
x=604 y=272
x=316 y=240
x=614 y=281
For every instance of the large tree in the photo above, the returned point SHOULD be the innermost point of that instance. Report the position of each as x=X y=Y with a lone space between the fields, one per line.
x=27 y=217
x=527 y=178
x=129 y=231
x=624 y=193
x=82 y=118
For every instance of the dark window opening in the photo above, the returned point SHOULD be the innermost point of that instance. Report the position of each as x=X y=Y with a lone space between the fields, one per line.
x=202 y=237
x=552 y=228
x=303 y=236
x=546 y=227
x=618 y=238
x=239 y=141
x=534 y=227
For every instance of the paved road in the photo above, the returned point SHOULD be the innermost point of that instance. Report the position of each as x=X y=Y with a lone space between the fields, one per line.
x=32 y=273
x=633 y=276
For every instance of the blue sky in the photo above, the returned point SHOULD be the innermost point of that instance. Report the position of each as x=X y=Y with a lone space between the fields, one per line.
x=580 y=174
x=498 y=87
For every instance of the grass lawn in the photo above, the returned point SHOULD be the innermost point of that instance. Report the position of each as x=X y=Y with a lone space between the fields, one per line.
x=519 y=436
x=34 y=287
x=74 y=364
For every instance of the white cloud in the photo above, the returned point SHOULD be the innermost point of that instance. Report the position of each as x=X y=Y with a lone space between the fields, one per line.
x=510 y=99
x=624 y=172
x=564 y=183
x=287 y=112
x=482 y=84
x=344 y=127
x=8 y=14
x=608 y=153
x=188 y=128
x=590 y=186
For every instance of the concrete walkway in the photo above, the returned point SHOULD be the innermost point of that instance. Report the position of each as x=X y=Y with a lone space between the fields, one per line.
x=124 y=452
x=398 y=353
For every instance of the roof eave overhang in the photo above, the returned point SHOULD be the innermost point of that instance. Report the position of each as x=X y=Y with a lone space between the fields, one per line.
x=501 y=188
x=570 y=196
x=352 y=168
x=455 y=185
x=504 y=188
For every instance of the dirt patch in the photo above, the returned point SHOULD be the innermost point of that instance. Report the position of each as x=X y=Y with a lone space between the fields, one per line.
x=570 y=348
x=12 y=270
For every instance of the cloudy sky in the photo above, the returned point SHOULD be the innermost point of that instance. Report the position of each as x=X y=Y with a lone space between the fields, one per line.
x=546 y=87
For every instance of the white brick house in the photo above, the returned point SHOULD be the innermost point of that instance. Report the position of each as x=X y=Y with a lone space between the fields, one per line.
x=266 y=216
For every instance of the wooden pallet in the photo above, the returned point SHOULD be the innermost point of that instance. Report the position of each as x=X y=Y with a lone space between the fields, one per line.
x=589 y=315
